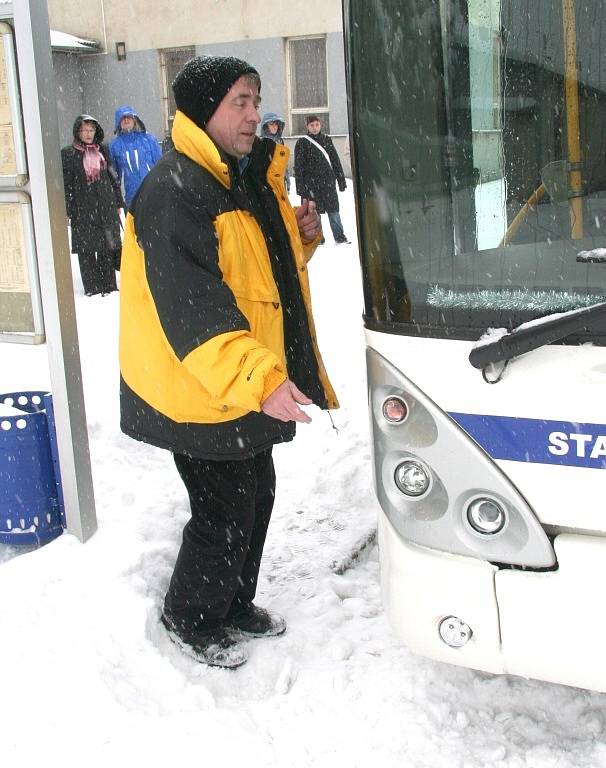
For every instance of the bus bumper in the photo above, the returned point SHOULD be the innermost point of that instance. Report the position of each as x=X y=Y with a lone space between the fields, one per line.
x=548 y=626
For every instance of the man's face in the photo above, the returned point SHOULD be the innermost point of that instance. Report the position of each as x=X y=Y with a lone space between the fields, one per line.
x=273 y=127
x=86 y=132
x=127 y=123
x=314 y=127
x=233 y=125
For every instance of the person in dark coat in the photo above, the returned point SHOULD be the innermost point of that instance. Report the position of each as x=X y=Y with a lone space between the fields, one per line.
x=272 y=126
x=93 y=201
x=317 y=172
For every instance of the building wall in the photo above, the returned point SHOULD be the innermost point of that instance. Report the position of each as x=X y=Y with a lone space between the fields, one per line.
x=145 y=24
x=337 y=90
x=69 y=93
x=98 y=83
x=109 y=83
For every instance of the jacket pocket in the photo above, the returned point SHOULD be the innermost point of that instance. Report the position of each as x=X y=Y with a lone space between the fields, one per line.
x=266 y=323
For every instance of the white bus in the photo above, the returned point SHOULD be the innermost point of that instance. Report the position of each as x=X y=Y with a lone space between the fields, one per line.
x=478 y=136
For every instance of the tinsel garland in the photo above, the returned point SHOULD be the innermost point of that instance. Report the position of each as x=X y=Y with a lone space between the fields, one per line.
x=510 y=300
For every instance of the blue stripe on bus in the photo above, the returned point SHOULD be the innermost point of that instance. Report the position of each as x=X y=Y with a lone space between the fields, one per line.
x=538 y=441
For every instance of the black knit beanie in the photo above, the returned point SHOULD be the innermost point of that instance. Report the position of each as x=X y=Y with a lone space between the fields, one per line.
x=201 y=85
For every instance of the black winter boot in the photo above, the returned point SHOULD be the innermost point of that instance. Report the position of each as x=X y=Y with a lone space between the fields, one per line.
x=215 y=648
x=252 y=621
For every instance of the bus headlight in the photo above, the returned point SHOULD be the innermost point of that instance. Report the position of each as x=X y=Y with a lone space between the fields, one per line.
x=437 y=487
x=486 y=516
x=395 y=410
x=412 y=478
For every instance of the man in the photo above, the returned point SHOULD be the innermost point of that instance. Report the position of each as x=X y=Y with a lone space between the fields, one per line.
x=134 y=151
x=217 y=343
x=317 y=168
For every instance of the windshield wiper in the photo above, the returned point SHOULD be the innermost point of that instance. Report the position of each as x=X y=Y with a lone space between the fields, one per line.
x=534 y=334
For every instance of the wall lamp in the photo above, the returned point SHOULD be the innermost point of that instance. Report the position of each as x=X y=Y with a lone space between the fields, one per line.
x=121 y=51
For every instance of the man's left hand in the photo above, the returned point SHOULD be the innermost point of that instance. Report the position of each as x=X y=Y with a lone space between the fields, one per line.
x=308 y=221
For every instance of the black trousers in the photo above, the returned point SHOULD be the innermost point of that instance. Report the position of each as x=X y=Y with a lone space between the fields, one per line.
x=97 y=272
x=218 y=564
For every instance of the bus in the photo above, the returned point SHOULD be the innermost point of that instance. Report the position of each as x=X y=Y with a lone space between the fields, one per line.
x=478 y=143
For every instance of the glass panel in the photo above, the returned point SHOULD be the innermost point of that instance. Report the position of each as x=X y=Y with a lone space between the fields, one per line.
x=481 y=167
x=299 y=122
x=309 y=89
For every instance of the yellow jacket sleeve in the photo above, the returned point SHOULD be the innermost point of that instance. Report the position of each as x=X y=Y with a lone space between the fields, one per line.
x=236 y=370
x=310 y=248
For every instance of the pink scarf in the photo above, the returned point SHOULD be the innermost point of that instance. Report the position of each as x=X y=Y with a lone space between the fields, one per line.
x=93 y=160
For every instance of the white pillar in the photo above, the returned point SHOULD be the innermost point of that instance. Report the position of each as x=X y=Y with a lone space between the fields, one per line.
x=45 y=186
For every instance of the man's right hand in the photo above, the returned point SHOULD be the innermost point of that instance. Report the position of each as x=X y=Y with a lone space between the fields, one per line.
x=283 y=402
x=308 y=220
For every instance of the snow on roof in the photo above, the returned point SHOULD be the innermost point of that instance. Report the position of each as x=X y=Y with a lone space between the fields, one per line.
x=62 y=41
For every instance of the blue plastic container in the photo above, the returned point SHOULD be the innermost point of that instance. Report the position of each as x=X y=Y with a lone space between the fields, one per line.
x=30 y=488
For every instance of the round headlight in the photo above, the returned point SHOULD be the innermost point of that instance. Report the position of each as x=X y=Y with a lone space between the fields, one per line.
x=486 y=516
x=395 y=410
x=454 y=632
x=412 y=478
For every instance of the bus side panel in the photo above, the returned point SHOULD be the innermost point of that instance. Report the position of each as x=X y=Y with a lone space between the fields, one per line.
x=422 y=586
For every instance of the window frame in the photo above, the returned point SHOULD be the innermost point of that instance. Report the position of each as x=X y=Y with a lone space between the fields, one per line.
x=190 y=52
x=320 y=111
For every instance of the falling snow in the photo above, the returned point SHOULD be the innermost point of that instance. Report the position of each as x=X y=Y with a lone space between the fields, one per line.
x=89 y=677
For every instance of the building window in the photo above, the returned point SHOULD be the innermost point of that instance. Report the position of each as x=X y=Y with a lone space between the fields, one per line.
x=307 y=82
x=171 y=62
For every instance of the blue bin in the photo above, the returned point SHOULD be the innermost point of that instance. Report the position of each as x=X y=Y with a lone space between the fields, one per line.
x=31 y=503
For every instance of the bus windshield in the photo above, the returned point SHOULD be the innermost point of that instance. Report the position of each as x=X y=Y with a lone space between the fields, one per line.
x=479 y=153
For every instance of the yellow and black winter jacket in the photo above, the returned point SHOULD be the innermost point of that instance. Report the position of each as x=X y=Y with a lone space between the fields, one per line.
x=215 y=308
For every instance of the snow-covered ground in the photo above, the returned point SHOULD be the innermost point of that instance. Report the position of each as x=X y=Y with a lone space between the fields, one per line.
x=89 y=678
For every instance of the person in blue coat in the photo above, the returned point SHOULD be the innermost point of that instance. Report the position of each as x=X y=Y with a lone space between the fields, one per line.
x=133 y=152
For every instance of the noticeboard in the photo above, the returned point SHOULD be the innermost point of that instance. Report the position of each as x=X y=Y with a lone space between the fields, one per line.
x=19 y=315
x=13 y=166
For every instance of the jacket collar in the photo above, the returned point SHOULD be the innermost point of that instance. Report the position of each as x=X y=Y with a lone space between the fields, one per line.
x=199 y=147
x=192 y=141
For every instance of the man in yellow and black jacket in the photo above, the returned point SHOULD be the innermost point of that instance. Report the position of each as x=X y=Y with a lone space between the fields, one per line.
x=217 y=343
